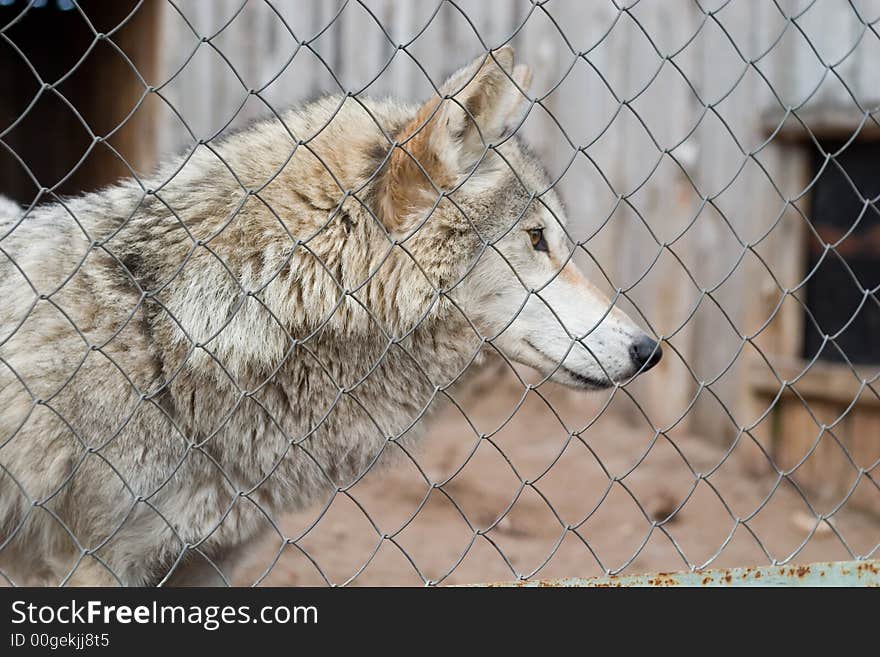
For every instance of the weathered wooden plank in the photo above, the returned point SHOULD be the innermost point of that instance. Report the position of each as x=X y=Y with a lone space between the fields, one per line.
x=715 y=340
x=832 y=382
x=865 y=444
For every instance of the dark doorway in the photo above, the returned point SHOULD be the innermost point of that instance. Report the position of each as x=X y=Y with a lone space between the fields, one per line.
x=833 y=294
x=43 y=138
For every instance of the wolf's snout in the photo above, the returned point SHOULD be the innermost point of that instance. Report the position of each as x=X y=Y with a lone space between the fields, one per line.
x=645 y=353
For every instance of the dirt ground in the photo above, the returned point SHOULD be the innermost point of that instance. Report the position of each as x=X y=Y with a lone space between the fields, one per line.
x=528 y=501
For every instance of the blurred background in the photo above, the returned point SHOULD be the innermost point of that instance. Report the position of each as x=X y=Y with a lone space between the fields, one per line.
x=720 y=164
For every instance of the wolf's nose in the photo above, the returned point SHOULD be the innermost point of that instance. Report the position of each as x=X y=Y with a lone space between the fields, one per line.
x=645 y=353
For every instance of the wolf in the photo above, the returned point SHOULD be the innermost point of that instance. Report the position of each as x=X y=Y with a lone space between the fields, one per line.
x=248 y=330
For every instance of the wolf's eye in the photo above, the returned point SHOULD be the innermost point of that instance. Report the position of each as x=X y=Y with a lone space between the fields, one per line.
x=536 y=235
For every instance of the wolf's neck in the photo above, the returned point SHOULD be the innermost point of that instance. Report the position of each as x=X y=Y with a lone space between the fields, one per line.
x=331 y=409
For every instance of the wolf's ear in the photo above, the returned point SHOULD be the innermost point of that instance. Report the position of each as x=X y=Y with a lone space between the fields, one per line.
x=480 y=100
x=478 y=104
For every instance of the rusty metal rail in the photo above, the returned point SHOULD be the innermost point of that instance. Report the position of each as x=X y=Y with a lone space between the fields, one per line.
x=828 y=573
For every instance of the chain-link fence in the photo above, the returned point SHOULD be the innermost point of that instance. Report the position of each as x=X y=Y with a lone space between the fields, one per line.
x=208 y=358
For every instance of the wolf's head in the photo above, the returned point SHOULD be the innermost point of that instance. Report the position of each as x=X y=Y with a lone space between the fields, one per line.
x=468 y=202
x=458 y=171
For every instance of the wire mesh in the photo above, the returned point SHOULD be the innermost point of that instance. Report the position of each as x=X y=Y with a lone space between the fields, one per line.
x=72 y=512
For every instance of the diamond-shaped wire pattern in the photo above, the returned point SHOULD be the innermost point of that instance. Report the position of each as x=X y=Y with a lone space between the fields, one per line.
x=199 y=385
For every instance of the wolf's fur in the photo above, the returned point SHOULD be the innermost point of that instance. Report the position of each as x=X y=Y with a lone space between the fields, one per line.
x=185 y=360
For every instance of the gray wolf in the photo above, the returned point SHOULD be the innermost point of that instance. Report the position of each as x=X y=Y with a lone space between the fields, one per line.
x=187 y=356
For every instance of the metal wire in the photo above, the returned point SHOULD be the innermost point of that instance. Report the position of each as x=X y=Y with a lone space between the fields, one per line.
x=152 y=194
